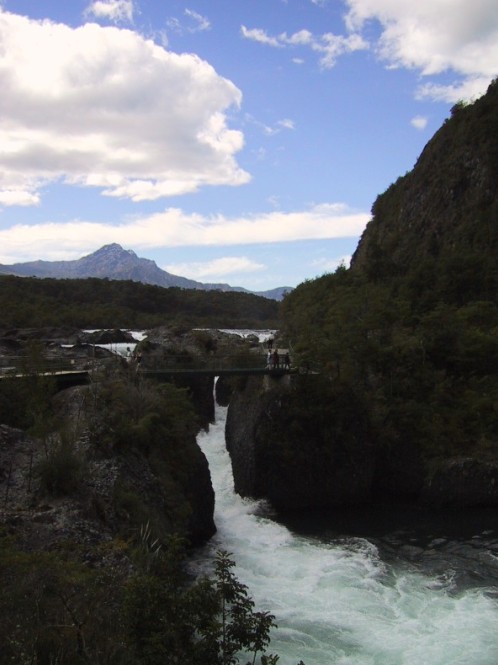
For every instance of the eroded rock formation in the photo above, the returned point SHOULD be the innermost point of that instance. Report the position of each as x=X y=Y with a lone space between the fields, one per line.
x=303 y=450
x=286 y=447
x=115 y=492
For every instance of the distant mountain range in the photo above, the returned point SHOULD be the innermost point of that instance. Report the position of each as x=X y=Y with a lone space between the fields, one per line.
x=114 y=262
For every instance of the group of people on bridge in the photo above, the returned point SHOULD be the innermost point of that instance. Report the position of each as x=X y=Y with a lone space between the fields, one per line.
x=133 y=358
x=274 y=360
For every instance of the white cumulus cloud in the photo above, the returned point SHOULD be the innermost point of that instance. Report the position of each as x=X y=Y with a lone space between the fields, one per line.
x=434 y=37
x=104 y=107
x=113 y=10
x=175 y=228
x=216 y=269
x=419 y=122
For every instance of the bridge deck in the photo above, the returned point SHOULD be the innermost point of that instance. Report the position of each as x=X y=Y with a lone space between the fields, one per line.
x=205 y=371
x=70 y=377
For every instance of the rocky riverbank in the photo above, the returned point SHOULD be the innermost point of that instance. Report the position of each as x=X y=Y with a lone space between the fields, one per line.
x=105 y=460
x=304 y=446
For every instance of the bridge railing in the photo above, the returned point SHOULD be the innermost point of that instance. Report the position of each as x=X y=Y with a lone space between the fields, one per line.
x=210 y=363
x=23 y=364
x=52 y=365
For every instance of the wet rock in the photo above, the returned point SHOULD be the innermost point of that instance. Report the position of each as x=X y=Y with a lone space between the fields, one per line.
x=224 y=389
x=115 y=336
x=280 y=452
x=463 y=482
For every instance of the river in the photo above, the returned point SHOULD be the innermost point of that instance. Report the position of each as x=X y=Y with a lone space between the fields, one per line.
x=356 y=589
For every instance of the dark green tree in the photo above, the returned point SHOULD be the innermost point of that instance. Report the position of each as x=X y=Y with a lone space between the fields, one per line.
x=211 y=622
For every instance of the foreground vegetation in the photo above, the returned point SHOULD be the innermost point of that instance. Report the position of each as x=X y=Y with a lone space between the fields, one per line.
x=57 y=611
x=426 y=371
x=102 y=303
x=79 y=596
x=412 y=326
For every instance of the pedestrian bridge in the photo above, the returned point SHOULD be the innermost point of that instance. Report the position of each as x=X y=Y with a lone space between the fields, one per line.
x=65 y=374
x=210 y=371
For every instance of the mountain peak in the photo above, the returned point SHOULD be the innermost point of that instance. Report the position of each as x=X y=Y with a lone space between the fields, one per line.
x=113 y=262
x=113 y=248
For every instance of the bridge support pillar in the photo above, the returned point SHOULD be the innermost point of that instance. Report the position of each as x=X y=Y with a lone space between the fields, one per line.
x=283 y=380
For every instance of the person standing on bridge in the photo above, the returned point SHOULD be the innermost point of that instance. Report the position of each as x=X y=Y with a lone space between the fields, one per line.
x=138 y=359
x=269 y=359
x=286 y=360
x=276 y=360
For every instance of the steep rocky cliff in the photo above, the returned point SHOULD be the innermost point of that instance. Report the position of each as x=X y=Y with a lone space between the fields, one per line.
x=407 y=338
x=287 y=448
x=446 y=205
x=301 y=448
x=87 y=491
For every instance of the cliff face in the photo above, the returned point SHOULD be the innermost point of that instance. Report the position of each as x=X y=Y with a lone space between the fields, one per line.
x=302 y=450
x=91 y=489
x=446 y=204
x=411 y=326
x=295 y=452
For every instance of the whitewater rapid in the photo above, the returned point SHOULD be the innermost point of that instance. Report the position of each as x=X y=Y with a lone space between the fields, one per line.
x=336 y=601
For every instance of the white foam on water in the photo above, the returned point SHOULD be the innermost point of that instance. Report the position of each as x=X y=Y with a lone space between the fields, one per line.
x=338 y=603
x=262 y=335
x=121 y=348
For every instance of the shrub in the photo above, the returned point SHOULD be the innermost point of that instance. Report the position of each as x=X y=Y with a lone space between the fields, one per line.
x=62 y=470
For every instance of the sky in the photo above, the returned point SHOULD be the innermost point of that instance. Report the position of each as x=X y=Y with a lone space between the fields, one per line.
x=234 y=141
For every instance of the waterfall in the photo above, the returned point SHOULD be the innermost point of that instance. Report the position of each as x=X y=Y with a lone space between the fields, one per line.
x=338 y=600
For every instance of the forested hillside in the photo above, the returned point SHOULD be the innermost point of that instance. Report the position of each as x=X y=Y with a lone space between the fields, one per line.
x=89 y=303
x=412 y=326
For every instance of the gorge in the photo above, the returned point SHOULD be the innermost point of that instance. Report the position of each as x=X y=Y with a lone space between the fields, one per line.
x=336 y=469
x=359 y=586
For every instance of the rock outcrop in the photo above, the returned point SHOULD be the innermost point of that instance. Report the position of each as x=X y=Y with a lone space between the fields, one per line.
x=463 y=483
x=279 y=452
x=287 y=448
x=115 y=492
x=447 y=203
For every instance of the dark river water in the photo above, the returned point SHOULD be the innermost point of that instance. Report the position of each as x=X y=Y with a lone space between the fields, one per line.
x=461 y=544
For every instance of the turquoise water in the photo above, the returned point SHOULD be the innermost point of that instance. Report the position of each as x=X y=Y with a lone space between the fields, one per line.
x=357 y=596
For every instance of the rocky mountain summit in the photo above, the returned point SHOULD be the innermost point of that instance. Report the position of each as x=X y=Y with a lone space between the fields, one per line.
x=114 y=262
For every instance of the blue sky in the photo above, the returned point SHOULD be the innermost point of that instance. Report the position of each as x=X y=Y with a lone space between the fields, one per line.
x=237 y=141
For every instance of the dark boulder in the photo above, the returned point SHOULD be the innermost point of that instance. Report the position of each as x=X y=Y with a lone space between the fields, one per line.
x=224 y=389
x=115 y=336
x=463 y=483
x=299 y=443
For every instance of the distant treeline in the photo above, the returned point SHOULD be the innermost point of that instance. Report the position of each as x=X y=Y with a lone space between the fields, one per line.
x=93 y=302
